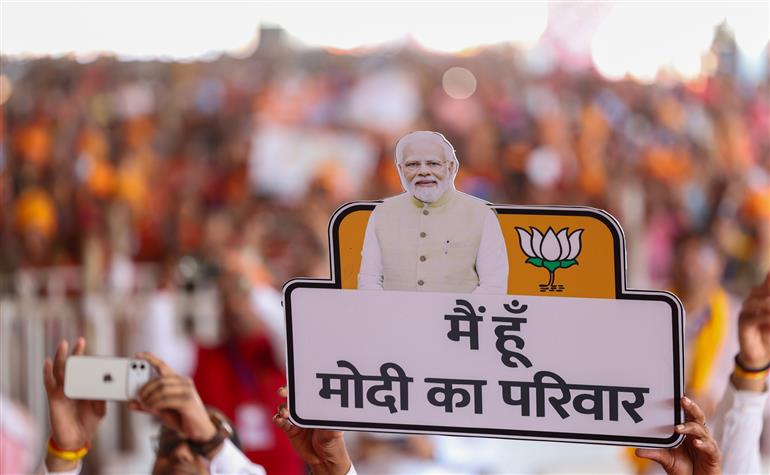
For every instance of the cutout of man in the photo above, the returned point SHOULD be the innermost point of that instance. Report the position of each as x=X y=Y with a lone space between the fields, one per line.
x=432 y=237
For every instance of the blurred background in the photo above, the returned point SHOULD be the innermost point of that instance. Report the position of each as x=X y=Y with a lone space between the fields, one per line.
x=165 y=167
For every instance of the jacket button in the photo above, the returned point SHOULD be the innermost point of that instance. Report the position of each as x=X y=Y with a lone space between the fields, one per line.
x=422 y=258
x=425 y=212
x=422 y=235
x=420 y=282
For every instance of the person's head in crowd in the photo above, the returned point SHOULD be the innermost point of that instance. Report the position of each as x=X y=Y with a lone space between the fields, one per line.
x=427 y=165
x=36 y=222
x=218 y=233
x=239 y=318
x=175 y=455
x=289 y=247
x=697 y=266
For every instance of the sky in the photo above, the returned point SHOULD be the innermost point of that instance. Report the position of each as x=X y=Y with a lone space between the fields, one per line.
x=619 y=37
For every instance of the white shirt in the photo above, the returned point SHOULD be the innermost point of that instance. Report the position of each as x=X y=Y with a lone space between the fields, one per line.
x=228 y=461
x=493 y=278
x=737 y=428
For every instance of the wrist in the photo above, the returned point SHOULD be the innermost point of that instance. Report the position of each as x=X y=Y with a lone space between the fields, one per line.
x=71 y=444
x=318 y=469
x=744 y=384
x=54 y=464
x=749 y=375
x=334 y=465
x=62 y=459
x=751 y=363
x=211 y=443
x=203 y=432
x=343 y=467
x=334 y=468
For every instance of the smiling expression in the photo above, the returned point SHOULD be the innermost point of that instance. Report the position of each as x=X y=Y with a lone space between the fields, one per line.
x=425 y=171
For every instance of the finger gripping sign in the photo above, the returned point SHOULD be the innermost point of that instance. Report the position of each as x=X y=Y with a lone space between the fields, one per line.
x=447 y=315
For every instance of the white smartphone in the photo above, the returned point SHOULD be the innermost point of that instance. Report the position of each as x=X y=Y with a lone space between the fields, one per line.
x=105 y=378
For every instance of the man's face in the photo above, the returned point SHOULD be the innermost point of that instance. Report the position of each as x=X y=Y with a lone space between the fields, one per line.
x=425 y=172
x=238 y=316
x=175 y=457
x=697 y=265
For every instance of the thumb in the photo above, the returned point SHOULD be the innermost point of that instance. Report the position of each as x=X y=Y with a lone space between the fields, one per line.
x=661 y=456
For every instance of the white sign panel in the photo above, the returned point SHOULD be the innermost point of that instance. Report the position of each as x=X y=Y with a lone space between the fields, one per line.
x=529 y=367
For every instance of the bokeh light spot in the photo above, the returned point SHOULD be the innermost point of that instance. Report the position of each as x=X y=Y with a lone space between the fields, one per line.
x=459 y=83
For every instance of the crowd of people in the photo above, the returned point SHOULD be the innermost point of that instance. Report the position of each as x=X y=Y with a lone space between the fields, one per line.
x=224 y=174
x=154 y=161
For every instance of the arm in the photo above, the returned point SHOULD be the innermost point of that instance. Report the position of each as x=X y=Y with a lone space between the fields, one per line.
x=739 y=415
x=370 y=273
x=73 y=422
x=492 y=259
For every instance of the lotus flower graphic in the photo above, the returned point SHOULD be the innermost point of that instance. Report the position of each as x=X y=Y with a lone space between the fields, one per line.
x=550 y=250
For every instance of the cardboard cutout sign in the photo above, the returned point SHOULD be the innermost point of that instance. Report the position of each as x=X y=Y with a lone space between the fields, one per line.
x=567 y=354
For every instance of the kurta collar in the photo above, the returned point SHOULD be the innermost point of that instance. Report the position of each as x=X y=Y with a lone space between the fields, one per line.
x=444 y=200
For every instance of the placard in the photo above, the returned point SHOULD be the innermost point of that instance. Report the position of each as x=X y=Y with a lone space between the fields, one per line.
x=567 y=354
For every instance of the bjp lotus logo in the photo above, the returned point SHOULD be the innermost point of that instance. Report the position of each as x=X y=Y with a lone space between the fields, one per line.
x=551 y=251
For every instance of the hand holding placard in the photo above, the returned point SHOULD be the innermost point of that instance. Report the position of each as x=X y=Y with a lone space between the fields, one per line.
x=323 y=450
x=698 y=454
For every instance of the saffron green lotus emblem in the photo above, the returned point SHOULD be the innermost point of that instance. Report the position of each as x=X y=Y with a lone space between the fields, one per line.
x=551 y=251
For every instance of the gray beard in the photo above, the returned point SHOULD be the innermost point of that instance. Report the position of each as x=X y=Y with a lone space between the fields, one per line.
x=429 y=195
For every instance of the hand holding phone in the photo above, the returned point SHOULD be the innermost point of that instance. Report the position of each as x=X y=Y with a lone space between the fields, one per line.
x=73 y=422
x=175 y=401
x=106 y=378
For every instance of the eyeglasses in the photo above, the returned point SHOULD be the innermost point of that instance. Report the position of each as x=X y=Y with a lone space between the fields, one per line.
x=414 y=165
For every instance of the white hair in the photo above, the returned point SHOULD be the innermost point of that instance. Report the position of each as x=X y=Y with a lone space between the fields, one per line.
x=427 y=136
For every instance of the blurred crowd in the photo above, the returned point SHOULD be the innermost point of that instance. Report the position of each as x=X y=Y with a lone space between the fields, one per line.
x=153 y=161
x=225 y=173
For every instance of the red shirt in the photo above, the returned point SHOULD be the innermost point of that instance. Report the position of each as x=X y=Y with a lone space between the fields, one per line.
x=241 y=379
